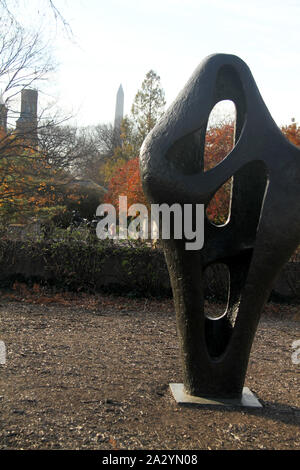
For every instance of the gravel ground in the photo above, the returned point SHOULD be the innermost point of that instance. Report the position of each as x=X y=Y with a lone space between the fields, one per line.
x=93 y=373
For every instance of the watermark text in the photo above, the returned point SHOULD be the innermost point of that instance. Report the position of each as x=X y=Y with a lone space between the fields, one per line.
x=176 y=221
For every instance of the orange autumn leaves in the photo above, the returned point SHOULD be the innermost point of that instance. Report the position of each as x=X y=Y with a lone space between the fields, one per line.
x=126 y=182
x=28 y=183
x=292 y=133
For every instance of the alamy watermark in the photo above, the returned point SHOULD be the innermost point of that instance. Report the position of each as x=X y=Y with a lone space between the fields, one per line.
x=2 y=353
x=296 y=352
x=164 y=221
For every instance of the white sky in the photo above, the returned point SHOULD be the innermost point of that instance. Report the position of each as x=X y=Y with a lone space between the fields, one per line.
x=119 y=41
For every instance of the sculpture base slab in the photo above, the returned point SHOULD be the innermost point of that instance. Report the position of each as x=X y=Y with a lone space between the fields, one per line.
x=248 y=399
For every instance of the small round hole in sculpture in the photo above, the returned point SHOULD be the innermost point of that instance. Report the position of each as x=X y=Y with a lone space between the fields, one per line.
x=216 y=290
x=219 y=137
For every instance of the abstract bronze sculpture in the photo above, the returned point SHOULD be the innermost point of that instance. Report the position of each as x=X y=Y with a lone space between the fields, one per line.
x=260 y=236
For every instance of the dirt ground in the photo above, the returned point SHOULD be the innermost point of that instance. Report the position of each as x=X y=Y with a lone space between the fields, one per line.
x=92 y=372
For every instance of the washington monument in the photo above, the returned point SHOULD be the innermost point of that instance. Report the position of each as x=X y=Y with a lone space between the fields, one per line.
x=119 y=113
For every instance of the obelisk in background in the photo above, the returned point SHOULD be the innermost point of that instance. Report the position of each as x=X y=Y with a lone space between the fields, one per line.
x=119 y=115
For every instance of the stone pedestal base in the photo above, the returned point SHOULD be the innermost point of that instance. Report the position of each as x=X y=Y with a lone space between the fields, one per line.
x=247 y=399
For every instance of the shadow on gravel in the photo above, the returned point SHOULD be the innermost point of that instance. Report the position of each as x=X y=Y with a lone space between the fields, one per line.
x=271 y=410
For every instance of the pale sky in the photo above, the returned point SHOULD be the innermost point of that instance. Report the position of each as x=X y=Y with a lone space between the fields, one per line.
x=119 y=41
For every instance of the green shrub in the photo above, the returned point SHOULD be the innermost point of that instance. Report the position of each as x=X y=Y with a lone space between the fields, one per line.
x=71 y=261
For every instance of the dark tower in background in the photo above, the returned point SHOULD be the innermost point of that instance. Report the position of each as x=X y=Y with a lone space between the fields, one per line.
x=27 y=122
x=3 y=114
x=119 y=115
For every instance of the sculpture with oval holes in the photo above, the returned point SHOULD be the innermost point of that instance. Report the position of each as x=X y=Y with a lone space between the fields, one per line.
x=262 y=231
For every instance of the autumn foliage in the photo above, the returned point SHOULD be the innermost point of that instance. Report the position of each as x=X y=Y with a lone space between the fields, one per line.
x=28 y=183
x=126 y=182
x=292 y=133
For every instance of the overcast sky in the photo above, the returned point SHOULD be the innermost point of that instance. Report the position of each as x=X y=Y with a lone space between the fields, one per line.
x=119 y=41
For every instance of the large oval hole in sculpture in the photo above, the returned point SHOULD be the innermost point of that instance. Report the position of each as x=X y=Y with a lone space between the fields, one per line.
x=219 y=141
x=219 y=137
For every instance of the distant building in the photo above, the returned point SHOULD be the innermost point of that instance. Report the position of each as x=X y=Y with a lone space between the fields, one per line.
x=3 y=114
x=27 y=122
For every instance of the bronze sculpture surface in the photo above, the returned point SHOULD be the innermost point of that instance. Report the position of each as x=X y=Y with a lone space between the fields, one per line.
x=260 y=236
